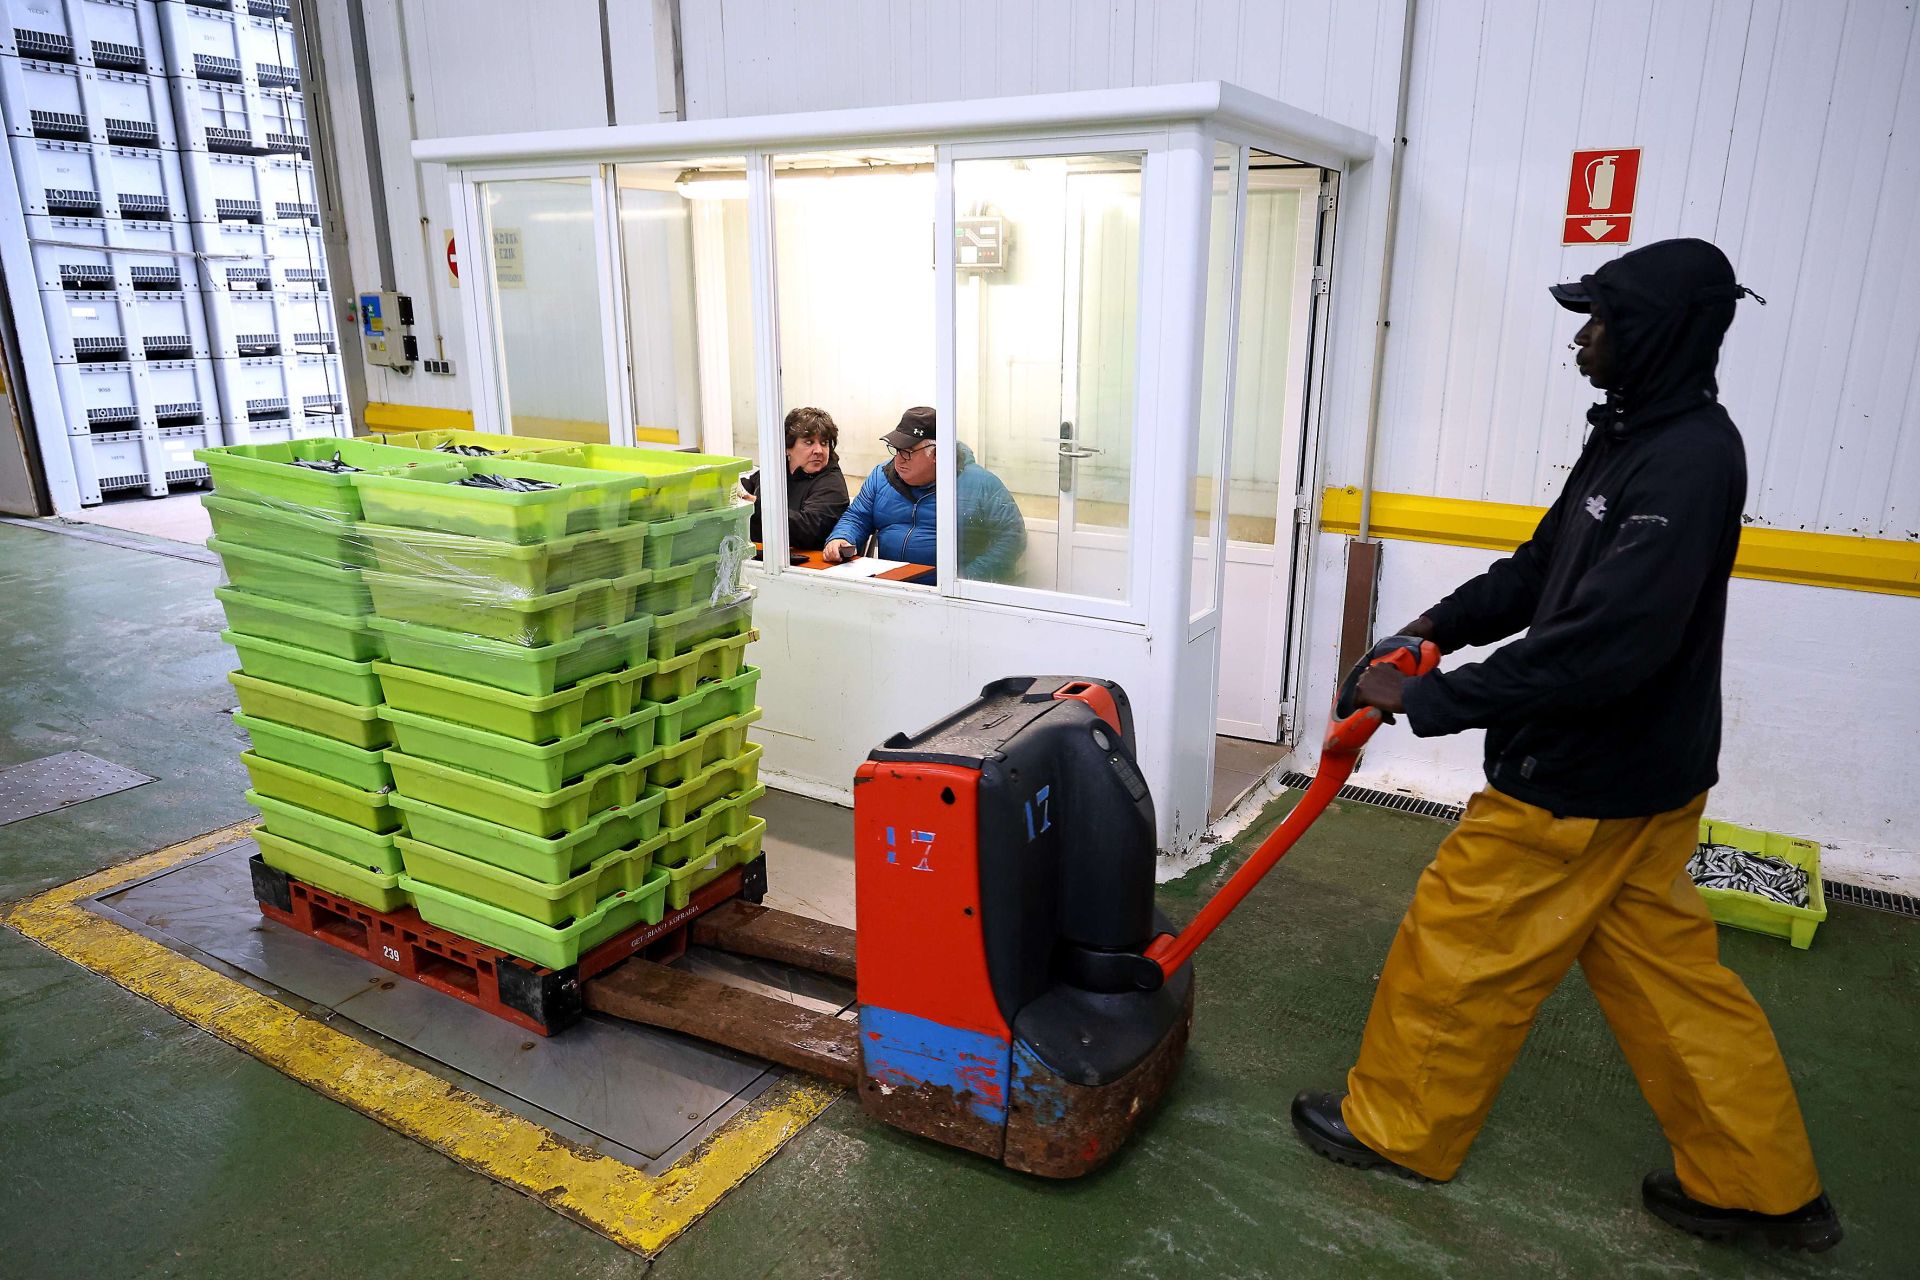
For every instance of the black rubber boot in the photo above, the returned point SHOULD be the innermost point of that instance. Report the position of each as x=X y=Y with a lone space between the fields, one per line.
x=1317 y=1119
x=1814 y=1226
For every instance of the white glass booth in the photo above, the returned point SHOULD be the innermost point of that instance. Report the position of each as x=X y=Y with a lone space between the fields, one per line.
x=1115 y=302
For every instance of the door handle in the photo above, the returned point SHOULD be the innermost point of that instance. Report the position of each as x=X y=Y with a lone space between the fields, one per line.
x=1069 y=449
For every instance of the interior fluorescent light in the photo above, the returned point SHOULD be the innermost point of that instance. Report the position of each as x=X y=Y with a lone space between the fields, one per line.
x=713 y=189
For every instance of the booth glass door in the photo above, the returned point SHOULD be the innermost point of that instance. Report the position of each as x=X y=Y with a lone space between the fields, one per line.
x=1281 y=235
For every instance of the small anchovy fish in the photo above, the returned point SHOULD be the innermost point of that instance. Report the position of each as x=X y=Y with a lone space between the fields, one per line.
x=332 y=466
x=465 y=450
x=1720 y=866
x=508 y=484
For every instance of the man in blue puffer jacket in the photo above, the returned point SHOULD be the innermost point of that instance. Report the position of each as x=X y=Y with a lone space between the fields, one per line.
x=896 y=507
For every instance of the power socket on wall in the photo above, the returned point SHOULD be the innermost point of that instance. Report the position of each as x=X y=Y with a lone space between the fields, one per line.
x=444 y=367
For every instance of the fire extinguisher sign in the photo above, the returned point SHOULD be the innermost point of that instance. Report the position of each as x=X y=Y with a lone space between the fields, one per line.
x=1600 y=194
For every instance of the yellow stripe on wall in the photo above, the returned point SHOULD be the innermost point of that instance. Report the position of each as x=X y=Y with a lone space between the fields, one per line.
x=382 y=416
x=1883 y=565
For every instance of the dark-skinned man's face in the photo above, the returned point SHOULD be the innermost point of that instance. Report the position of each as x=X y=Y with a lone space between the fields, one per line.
x=1595 y=353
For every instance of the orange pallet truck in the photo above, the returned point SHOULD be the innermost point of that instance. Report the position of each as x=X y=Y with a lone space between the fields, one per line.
x=1019 y=995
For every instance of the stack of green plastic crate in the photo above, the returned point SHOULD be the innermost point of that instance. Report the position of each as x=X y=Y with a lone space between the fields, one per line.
x=564 y=679
x=298 y=612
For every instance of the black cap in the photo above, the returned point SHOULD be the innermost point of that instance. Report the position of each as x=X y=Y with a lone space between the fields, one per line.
x=1574 y=297
x=916 y=427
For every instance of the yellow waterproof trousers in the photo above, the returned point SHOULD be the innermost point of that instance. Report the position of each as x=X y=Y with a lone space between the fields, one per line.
x=1512 y=899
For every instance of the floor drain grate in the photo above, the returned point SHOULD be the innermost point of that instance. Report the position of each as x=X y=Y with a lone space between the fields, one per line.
x=1852 y=895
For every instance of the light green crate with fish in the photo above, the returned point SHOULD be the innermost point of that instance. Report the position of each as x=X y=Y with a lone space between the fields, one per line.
x=450 y=440
x=722 y=740
x=535 y=670
x=369 y=809
x=357 y=767
x=337 y=589
x=1754 y=912
x=720 y=819
x=530 y=718
x=329 y=835
x=680 y=675
x=309 y=669
x=677 y=633
x=301 y=625
x=502 y=499
x=323 y=538
x=556 y=948
x=490 y=566
x=356 y=724
x=281 y=474
x=379 y=890
x=551 y=859
x=464 y=605
x=555 y=905
x=716 y=781
x=663 y=484
x=697 y=536
x=537 y=767
x=538 y=813
x=719 y=858
x=717 y=700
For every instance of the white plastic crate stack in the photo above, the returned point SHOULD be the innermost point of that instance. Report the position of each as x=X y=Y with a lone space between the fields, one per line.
x=161 y=155
x=255 y=217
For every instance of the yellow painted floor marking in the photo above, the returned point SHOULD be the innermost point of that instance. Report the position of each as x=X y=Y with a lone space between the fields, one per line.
x=632 y=1208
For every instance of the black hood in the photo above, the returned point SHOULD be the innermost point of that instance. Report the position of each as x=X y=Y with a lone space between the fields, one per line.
x=1666 y=308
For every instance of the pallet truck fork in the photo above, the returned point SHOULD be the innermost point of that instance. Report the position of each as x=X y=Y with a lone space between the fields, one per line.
x=1019 y=995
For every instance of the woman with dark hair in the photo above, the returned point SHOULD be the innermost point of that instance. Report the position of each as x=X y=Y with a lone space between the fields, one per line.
x=816 y=489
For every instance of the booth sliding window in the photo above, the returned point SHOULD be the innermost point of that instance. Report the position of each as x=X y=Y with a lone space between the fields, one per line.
x=545 y=296
x=1215 y=375
x=1047 y=260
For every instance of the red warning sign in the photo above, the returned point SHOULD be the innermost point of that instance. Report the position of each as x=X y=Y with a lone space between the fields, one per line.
x=1600 y=194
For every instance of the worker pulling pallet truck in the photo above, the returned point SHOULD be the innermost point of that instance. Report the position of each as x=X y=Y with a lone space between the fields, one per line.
x=1019 y=995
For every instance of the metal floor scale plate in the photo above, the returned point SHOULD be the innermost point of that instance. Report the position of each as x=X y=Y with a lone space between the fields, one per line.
x=54 y=782
x=637 y=1094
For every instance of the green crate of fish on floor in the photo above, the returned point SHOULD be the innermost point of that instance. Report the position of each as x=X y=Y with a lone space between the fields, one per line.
x=322 y=673
x=549 y=859
x=354 y=724
x=555 y=905
x=504 y=499
x=554 y=947
x=281 y=474
x=361 y=768
x=300 y=625
x=372 y=810
x=535 y=766
x=335 y=588
x=718 y=859
x=376 y=889
x=536 y=719
x=322 y=537
x=534 y=670
x=373 y=850
x=1754 y=912
x=663 y=484
x=538 y=813
x=475 y=608
x=493 y=567
x=680 y=675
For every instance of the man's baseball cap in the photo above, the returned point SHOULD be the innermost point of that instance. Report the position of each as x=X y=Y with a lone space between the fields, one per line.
x=916 y=428
x=1575 y=296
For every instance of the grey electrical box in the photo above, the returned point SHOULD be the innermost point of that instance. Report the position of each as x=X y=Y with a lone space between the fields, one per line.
x=980 y=243
x=385 y=321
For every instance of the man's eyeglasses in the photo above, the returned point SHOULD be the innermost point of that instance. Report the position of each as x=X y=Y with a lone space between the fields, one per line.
x=897 y=451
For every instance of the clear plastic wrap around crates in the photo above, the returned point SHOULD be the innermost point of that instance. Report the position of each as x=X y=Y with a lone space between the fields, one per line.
x=83 y=180
x=123 y=35
x=247 y=43
x=250 y=190
x=65 y=103
x=99 y=328
x=138 y=395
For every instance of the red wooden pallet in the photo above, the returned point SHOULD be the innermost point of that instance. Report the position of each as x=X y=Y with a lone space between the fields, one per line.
x=544 y=1001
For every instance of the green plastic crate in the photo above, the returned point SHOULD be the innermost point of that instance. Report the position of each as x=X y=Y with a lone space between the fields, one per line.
x=375 y=889
x=715 y=782
x=678 y=633
x=351 y=723
x=692 y=756
x=264 y=472
x=719 y=820
x=556 y=948
x=1754 y=913
x=538 y=813
x=684 y=717
x=303 y=626
x=678 y=676
x=325 y=756
x=664 y=484
x=679 y=586
x=467 y=606
x=581 y=501
x=696 y=536
x=721 y=857
x=432 y=440
x=325 y=538
x=525 y=718
x=322 y=673
x=535 y=670
x=556 y=905
x=373 y=850
x=507 y=568
x=547 y=859
x=334 y=588
x=542 y=767
x=369 y=809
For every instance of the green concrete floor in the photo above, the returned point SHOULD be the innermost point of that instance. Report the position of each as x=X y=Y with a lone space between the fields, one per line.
x=133 y=1144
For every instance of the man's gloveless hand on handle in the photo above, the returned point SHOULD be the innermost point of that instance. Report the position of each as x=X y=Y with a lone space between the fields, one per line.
x=1381 y=685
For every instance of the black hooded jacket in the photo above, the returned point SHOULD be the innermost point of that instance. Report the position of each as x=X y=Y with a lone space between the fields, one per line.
x=1609 y=706
x=814 y=503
